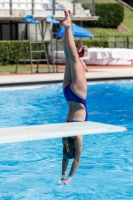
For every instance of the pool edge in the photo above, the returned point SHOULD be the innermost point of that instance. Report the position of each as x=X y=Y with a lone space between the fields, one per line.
x=27 y=83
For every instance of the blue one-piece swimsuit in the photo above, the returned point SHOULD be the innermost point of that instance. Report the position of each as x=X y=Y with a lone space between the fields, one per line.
x=70 y=96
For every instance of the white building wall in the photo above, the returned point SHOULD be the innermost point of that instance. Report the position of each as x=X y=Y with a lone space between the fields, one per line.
x=35 y=29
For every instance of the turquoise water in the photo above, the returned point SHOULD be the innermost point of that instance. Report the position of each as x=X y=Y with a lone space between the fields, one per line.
x=31 y=170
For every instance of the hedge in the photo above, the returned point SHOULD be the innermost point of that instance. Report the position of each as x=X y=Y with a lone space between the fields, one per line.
x=111 y=15
x=9 y=50
x=96 y=43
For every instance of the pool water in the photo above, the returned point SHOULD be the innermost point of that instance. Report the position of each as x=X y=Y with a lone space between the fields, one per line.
x=31 y=170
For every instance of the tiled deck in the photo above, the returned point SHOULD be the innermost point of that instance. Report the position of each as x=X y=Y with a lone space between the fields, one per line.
x=96 y=73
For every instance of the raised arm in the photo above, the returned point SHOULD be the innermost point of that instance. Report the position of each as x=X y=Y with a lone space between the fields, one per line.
x=78 y=145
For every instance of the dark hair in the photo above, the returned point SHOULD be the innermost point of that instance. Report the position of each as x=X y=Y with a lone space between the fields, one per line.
x=69 y=148
x=79 y=41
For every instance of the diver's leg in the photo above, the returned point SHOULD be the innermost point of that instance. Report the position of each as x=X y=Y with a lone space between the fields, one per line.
x=78 y=83
x=67 y=74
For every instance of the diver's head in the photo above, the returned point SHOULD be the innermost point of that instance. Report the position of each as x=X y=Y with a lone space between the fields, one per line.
x=69 y=148
x=79 y=44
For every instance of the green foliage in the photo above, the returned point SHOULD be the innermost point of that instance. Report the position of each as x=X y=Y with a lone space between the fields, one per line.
x=86 y=6
x=95 y=43
x=9 y=51
x=111 y=15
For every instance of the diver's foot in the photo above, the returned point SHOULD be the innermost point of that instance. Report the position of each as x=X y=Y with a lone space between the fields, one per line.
x=65 y=181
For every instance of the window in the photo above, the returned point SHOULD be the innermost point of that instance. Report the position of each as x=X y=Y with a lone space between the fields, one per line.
x=6 y=32
x=11 y=31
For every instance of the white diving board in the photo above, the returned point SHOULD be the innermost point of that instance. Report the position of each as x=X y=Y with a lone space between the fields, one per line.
x=48 y=131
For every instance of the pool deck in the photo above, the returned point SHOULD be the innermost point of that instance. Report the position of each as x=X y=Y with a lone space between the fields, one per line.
x=95 y=73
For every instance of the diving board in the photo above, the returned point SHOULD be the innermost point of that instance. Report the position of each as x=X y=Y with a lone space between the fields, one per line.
x=48 y=131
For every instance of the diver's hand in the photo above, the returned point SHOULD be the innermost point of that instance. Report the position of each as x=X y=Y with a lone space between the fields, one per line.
x=85 y=48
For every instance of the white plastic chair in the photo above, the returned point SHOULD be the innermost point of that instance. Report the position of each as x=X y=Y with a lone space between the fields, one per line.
x=6 y=6
x=1 y=6
x=23 y=6
x=15 y=6
x=39 y=7
x=29 y=6
x=38 y=1
x=15 y=1
x=22 y=1
x=46 y=1
x=29 y=1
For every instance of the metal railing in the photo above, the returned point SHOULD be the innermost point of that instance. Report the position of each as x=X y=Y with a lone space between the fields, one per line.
x=91 y=4
x=113 y=41
x=117 y=41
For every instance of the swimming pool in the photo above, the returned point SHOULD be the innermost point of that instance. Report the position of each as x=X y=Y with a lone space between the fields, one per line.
x=31 y=170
